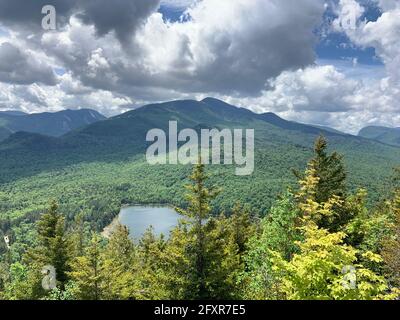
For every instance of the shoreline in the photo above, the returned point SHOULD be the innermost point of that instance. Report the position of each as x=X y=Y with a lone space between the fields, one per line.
x=108 y=230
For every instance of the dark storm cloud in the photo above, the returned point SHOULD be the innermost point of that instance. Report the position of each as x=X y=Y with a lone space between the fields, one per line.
x=119 y=16
x=22 y=68
x=28 y=13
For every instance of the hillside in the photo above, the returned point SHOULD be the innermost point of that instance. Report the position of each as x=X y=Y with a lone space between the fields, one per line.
x=51 y=124
x=383 y=134
x=97 y=168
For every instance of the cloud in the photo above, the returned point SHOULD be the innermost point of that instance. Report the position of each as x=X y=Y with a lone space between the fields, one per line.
x=119 y=16
x=28 y=14
x=258 y=54
x=229 y=46
x=22 y=67
x=317 y=88
x=381 y=99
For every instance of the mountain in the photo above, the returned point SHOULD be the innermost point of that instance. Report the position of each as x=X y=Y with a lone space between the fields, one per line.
x=325 y=128
x=13 y=113
x=100 y=166
x=383 y=134
x=51 y=124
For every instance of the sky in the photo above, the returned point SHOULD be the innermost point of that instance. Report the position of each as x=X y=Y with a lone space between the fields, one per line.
x=326 y=62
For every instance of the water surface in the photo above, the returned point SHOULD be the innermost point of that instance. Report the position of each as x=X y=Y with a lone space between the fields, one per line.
x=139 y=218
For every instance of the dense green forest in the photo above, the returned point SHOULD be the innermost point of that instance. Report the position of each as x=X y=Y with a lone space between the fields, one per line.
x=94 y=170
x=319 y=240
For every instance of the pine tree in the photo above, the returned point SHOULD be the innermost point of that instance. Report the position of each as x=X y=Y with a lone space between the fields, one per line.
x=53 y=248
x=88 y=272
x=209 y=259
x=120 y=266
x=330 y=171
x=153 y=266
x=80 y=235
x=241 y=226
x=198 y=212
x=331 y=174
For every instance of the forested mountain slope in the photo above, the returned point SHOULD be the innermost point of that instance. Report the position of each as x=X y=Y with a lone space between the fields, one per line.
x=98 y=167
x=383 y=134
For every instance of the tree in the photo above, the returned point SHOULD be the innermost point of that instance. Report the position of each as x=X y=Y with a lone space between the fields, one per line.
x=80 y=235
x=391 y=245
x=53 y=248
x=279 y=233
x=325 y=267
x=331 y=174
x=88 y=272
x=198 y=211
x=154 y=268
x=120 y=266
x=210 y=259
x=241 y=227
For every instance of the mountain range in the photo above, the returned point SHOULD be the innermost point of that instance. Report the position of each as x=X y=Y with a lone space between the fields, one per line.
x=102 y=165
x=51 y=124
x=383 y=134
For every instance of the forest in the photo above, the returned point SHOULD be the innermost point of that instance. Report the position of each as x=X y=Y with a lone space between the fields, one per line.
x=320 y=240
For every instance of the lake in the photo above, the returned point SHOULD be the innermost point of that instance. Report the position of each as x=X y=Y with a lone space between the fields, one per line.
x=139 y=218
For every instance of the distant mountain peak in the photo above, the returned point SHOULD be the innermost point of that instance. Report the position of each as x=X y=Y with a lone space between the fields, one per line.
x=53 y=124
x=382 y=134
x=13 y=113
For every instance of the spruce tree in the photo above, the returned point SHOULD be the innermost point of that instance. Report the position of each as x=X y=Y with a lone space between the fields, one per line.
x=331 y=175
x=209 y=260
x=241 y=226
x=53 y=246
x=120 y=266
x=330 y=172
x=88 y=272
x=198 y=212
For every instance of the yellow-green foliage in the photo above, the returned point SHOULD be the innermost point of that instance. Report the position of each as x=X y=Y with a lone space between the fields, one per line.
x=324 y=263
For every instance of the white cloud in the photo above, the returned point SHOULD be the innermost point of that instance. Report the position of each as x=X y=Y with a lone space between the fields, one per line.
x=230 y=46
x=254 y=53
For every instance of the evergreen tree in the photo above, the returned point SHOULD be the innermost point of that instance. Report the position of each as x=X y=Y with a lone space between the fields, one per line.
x=53 y=249
x=198 y=212
x=211 y=260
x=120 y=266
x=88 y=272
x=154 y=263
x=331 y=174
x=80 y=235
x=241 y=226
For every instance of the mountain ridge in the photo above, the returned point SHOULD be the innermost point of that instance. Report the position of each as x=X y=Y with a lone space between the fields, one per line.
x=108 y=157
x=51 y=124
x=382 y=134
